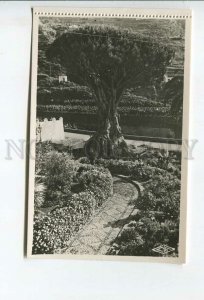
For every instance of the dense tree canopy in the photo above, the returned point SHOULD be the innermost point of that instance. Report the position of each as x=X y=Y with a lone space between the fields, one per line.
x=173 y=94
x=109 y=60
x=108 y=56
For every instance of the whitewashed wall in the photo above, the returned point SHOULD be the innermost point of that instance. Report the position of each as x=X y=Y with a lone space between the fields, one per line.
x=50 y=130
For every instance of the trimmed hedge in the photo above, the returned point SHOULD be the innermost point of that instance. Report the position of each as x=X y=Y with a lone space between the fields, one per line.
x=59 y=94
x=67 y=108
x=79 y=108
x=127 y=101
x=139 y=101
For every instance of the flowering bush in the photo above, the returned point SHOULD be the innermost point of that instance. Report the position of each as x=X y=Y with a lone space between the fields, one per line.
x=97 y=180
x=53 y=231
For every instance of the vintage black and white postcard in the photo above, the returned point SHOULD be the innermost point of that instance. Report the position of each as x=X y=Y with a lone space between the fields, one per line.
x=108 y=134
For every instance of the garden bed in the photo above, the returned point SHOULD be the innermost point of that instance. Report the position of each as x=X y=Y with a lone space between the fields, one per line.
x=62 y=213
x=75 y=189
x=156 y=223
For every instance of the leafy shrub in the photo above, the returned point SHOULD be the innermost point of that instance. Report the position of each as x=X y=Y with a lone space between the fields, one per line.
x=42 y=149
x=97 y=180
x=154 y=232
x=161 y=195
x=128 y=243
x=165 y=183
x=170 y=206
x=59 y=170
x=170 y=161
x=140 y=237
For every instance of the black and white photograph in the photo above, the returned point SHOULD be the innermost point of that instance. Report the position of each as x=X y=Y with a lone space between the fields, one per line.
x=109 y=119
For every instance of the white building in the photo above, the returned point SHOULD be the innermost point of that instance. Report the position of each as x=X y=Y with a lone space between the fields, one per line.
x=62 y=78
x=173 y=71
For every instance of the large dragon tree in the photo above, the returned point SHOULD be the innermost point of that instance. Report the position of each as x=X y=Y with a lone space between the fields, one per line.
x=109 y=60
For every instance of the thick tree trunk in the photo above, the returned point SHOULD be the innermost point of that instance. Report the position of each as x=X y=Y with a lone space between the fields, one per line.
x=108 y=141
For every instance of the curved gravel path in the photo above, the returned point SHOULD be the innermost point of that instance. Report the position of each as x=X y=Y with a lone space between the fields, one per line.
x=96 y=236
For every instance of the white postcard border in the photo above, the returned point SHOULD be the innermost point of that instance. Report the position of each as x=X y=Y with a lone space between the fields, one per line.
x=111 y=13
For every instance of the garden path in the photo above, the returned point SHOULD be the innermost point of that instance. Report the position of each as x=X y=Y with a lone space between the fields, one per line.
x=96 y=236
